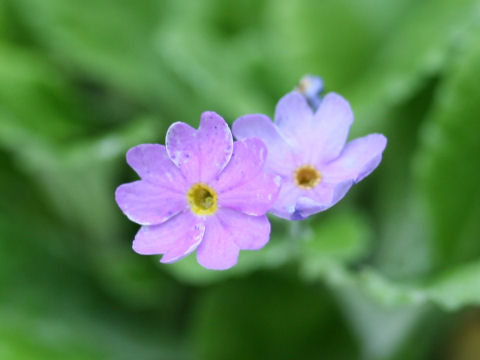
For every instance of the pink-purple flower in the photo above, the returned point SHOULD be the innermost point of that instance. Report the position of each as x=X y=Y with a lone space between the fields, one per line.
x=309 y=151
x=202 y=192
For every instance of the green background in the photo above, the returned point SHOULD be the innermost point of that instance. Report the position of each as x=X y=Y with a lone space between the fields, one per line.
x=392 y=272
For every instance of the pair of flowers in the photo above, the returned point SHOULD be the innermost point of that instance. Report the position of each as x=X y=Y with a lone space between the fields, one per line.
x=203 y=191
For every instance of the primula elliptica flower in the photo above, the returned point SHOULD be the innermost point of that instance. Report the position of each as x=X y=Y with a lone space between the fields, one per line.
x=308 y=151
x=201 y=191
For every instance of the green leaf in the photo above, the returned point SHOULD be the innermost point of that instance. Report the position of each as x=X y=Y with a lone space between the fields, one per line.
x=34 y=98
x=447 y=165
x=334 y=39
x=457 y=287
x=76 y=176
x=269 y=316
x=341 y=238
x=418 y=47
x=111 y=42
x=451 y=291
x=404 y=245
x=380 y=329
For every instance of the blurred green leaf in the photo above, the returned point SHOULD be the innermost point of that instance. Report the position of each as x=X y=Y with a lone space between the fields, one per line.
x=420 y=45
x=448 y=165
x=76 y=176
x=267 y=316
x=3 y=19
x=380 y=329
x=334 y=39
x=34 y=98
x=404 y=242
x=74 y=331
x=451 y=290
x=341 y=238
x=218 y=70
x=50 y=304
x=118 y=50
x=458 y=287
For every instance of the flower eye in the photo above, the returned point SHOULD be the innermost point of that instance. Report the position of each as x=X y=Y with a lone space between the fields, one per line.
x=202 y=199
x=307 y=177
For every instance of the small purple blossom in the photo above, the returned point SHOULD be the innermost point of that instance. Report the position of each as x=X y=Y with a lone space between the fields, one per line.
x=307 y=149
x=201 y=191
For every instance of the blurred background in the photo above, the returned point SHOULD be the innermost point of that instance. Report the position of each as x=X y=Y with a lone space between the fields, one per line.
x=392 y=272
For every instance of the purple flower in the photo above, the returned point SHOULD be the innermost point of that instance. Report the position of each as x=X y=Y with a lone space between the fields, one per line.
x=308 y=151
x=201 y=191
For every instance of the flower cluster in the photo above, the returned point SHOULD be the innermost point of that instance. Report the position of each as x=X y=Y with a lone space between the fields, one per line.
x=202 y=191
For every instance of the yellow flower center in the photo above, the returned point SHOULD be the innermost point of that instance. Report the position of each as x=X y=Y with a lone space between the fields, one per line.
x=307 y=177
x=202 y=199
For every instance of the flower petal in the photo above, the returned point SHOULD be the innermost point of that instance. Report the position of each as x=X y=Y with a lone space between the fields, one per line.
x=175 y=238
x=200 y=154
x=280 y=158
x=294 y=116
x=284 y=206
x=253 y=197
x=332 y=123
x=247 y=161
x=297 y=204
x=151 y=162
x=217 y=251
x=321 y=198
x=359 y=158
x=248 y=232
x=147 y=204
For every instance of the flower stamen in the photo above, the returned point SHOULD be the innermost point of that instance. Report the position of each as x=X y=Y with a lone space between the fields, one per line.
x=307 y=177
x=202 y=199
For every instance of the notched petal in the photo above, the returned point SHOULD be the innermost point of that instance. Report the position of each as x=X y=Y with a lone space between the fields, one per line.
x=281 y=153
x=247 y=231
x=320 y=199
x=359 y=158
x=247 y=161
x=200 y=154
x=217 y=251
x=293 y=116
x=253 y=197
x=175 y=238
x=146 y=203
x=151 y=162
x=332 y=123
